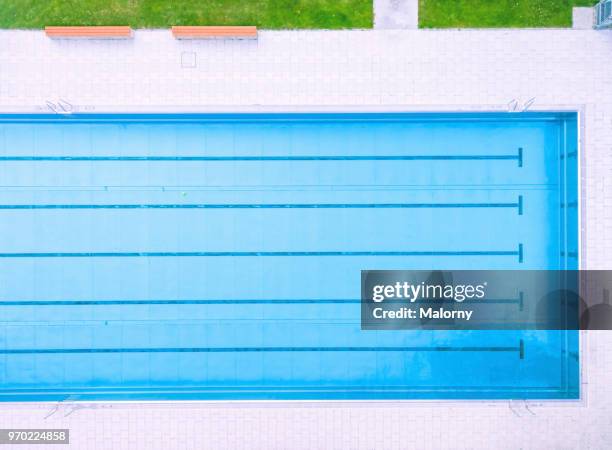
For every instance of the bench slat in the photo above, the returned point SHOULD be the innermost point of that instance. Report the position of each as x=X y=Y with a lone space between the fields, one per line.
x=101 y=32
x=212 y=32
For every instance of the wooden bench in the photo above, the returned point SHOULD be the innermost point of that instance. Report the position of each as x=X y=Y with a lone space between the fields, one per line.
x=214 y=32
x=89 y=32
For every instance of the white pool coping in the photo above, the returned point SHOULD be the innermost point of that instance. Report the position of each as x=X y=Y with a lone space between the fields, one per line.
x=344 y=71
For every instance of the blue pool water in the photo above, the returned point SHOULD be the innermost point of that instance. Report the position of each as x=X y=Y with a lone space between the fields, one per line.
x=219 y=256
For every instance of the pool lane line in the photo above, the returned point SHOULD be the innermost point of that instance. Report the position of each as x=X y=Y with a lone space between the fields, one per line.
x=28 y=351
x=571 y=204
x=518 y=205
x=517 y=301
x=570 y=254
x=572 y=154
x=245 y=158
x=518 y=253
x=177 y=302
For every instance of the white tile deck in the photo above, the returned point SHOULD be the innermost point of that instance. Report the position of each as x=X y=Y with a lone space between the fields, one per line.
x=459 y=69
x=396 y=14
x=583 y=18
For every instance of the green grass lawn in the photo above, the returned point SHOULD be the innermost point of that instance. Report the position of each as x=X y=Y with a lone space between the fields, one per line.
x=497 y=13
x=163 y=13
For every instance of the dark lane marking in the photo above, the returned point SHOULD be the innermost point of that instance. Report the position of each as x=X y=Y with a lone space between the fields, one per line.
x=268 y=301
x=27 y=351
x=268 y=206
x=264 y=254
x=517 y=157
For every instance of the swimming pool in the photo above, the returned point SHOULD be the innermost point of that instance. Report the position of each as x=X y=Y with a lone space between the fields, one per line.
x=218 y=256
